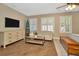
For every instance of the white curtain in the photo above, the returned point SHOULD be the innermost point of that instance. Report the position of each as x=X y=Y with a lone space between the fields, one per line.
x=33 y=23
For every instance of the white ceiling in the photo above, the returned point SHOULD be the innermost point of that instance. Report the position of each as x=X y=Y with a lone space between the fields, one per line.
x=30 y=9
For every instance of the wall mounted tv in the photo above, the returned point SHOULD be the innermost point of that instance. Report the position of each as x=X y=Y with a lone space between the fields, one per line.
x=9 y=22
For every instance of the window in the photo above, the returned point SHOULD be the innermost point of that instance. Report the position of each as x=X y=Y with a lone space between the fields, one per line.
x=66 y=24
x=47 y=23
x=32 y=24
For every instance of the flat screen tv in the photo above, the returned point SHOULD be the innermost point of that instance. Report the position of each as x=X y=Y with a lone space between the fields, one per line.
x=9 y=22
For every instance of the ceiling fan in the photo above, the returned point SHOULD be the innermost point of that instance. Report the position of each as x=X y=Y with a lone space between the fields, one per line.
x=69 y=6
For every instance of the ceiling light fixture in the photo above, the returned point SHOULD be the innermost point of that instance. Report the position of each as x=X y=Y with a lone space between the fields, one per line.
x=71 y=7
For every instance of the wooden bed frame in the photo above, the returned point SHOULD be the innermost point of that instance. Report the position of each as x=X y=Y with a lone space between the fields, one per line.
x=70 y=45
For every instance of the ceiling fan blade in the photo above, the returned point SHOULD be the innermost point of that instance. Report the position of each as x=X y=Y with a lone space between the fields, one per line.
x=61 y=6
x=72 y=3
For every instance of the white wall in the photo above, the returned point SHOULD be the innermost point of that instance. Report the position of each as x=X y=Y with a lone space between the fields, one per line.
x=5 y=11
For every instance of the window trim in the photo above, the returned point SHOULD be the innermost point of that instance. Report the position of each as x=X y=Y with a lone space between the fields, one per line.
x=48 y=24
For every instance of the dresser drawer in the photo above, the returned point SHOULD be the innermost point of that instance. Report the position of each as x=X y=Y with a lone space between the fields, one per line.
x=8 y=40
x=9 y=37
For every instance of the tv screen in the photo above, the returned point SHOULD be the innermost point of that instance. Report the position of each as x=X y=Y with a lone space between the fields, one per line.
x=9 y=22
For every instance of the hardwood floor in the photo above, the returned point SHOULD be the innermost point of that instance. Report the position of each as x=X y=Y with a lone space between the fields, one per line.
x=25 y=49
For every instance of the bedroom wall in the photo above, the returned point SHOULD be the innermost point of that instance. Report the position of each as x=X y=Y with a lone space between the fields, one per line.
x=6 y=11
x=75 y=22
x=9 y=12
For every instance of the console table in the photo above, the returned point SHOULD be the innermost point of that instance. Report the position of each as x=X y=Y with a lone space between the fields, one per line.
x=35 y=40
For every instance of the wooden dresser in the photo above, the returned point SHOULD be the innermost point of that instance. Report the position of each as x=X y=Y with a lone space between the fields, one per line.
x=11 y=36
x=71 y=46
